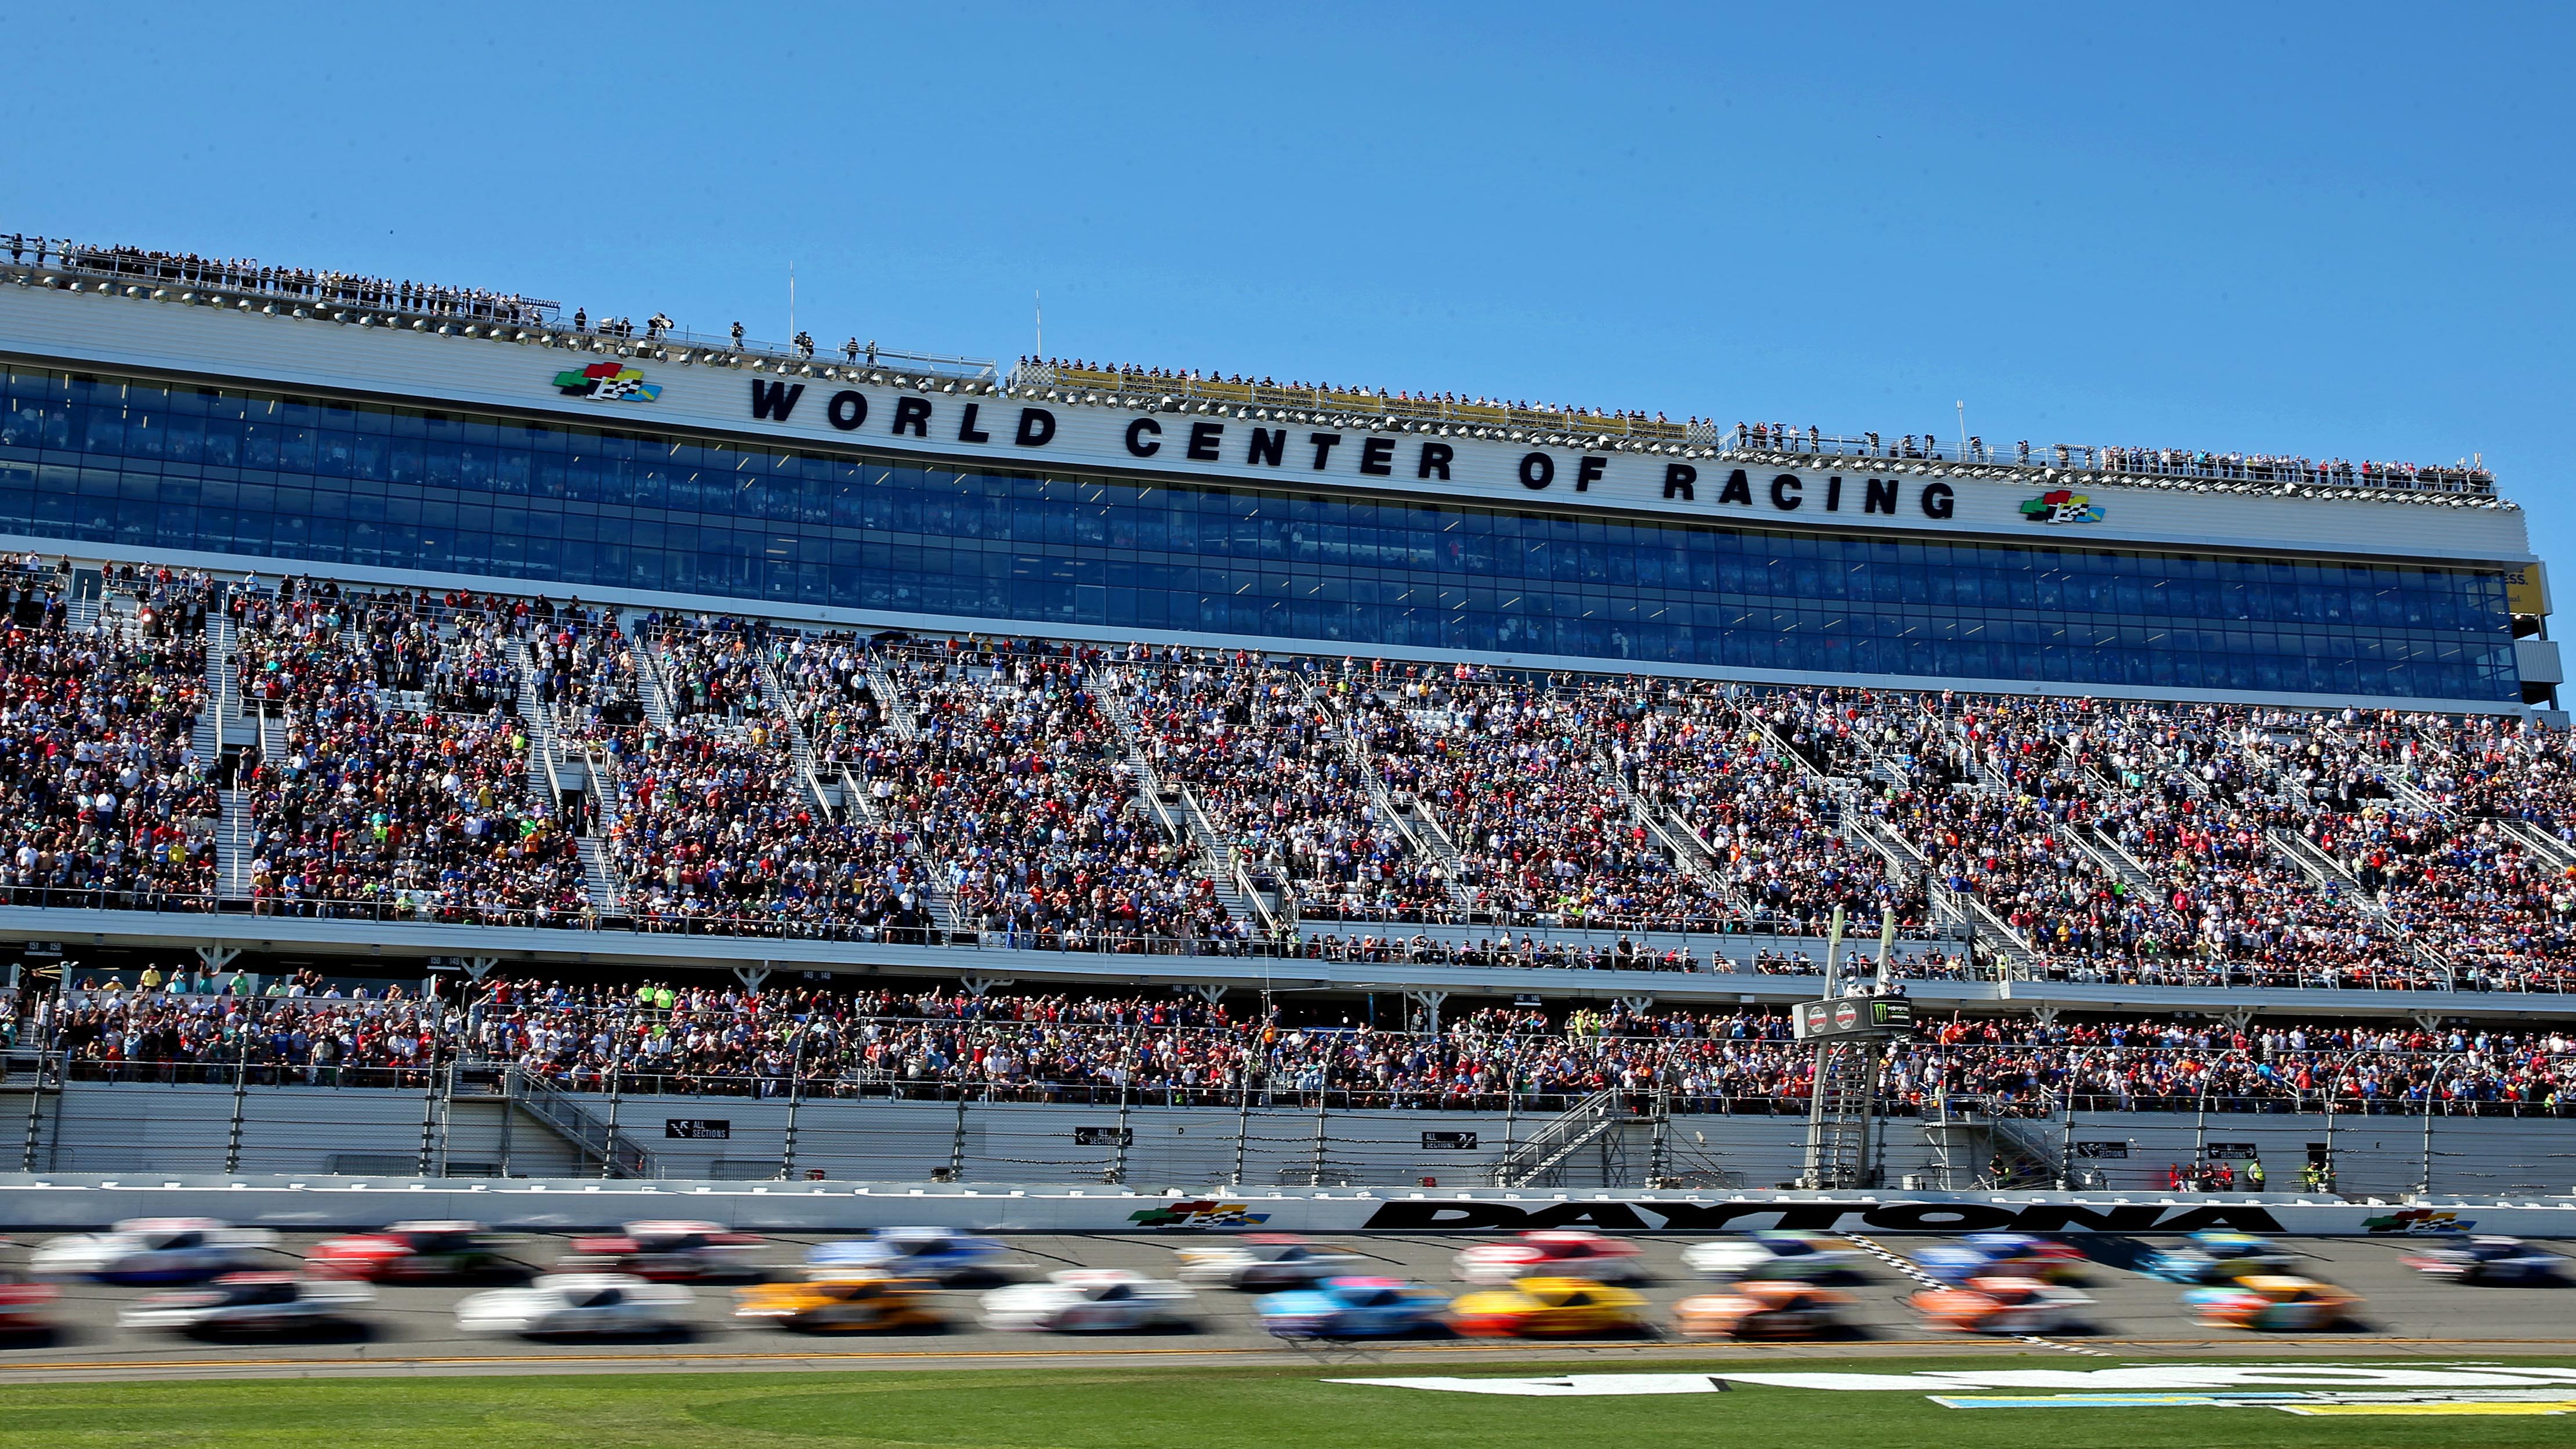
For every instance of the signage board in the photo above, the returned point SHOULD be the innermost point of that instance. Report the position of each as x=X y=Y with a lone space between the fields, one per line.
x=1449 y=1141
x=704 y=1129
x=1104 y=1136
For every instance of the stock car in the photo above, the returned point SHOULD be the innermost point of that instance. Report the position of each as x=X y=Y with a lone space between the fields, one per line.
x=856 y=1303
x=1262 y=1261
x=249 y=1303
x=578 y=1304
x=2487 y=1260
x=934 y=1253
x=2275 y=1304
x=410 y=1253
x=1553 y=1252
x=1762 y=1308
x=2217 y=1256
x=2001 y=1255
x=1550 y=1308
x=26 y=1305
x=666 y=1252
x=1353 y=1308
x=1773 y=1255
x=1089 y=1300
x=145 y=1251
x=1998 y=1305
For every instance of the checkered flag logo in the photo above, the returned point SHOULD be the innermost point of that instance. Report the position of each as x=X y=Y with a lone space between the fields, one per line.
x=607 y=382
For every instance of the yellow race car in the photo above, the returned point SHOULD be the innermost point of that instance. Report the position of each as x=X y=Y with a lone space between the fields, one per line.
x=1550 y=1308
x=851 y=1304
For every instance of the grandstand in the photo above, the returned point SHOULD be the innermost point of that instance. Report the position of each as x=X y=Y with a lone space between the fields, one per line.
x=1066 y=740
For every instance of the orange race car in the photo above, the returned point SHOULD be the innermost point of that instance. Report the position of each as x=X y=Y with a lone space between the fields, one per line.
x=1998 y=1305
x=1762 y=1309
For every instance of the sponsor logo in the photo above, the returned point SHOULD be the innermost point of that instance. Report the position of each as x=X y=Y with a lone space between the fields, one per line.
x=2061 y=505
x=2419 y=1220
x=1204 y=1213
x=1846 y=1015
x=1639 y=1215
x=607 y=382
x=2324 y=1389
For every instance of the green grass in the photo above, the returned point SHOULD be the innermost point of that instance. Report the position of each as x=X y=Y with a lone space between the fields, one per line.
x=1214 y=1408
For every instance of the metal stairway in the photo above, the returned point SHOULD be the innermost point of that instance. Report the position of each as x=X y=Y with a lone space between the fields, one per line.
x=1839 y=1119
x=1228 y=874
x=1976 y=1144
x=1541 y=1159
x=602 y=1147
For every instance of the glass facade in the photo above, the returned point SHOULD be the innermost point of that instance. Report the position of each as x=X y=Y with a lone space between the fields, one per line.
x=141 y=464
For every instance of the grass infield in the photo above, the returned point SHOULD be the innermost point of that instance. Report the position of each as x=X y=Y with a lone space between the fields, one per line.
x=1155 y=1408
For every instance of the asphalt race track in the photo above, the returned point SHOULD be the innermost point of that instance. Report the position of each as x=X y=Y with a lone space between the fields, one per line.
x=412 y=1330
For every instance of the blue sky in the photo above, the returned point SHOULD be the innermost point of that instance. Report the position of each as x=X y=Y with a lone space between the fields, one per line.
x=2331 y=230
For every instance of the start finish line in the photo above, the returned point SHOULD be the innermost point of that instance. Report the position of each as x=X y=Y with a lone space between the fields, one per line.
x=66 y=1201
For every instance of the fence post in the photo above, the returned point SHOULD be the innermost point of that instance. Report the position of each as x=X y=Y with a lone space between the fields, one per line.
x=1323 y=1087
x=429 y=1101
x=957 y=1147
x=616 y=1089
x=509 y=1111
x=795 y=1094
x=2428 y=1139
x=1242 y=1112
x=241 y=1089
x=1126 y=1094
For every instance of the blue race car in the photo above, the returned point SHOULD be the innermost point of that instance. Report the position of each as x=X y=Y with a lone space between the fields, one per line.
x=2216 y=1255
x=2001 y=1255
x=935 y=1253
x=1352 y=1308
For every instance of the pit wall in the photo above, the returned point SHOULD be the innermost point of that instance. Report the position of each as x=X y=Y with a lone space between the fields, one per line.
x=116 y=1129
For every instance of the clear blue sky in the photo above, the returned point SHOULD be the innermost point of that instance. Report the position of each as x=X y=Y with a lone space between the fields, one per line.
x=2330 y=230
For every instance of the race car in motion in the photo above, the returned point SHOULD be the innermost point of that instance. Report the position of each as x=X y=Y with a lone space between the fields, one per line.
x=1560 y=1252
x=250 y=1303
x=1353 y=1308
x=938 y=1254
x=2218 y=1256
x=1090 y=1300
x=1998 y=1305
x=2488 y=1260
x=428 y=1252
x=144 y=1251
x=1551 y=1308
x=1262 y=1262
x=1772 y=1255
x=2282 y=1303
x=579 y=1305
x=667 y=1252
x=1763 y=1308
x=2002 y=1255
x=855 y=1303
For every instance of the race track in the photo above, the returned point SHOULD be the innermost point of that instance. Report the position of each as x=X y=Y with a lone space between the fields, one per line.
x=412 y=1330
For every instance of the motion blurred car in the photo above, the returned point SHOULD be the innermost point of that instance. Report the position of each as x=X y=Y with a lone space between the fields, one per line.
x=2216 y=1256
x=2279 y=1304
x=578 y=1304
x=410 y=1253
x=1554 y=1253
x=1353 y=1308
x=1089 y=1300
x=26 y=1305
x=856 y=1303
x=2487 y=1260
x=156 y=1250
x=1772 y=1255
x=1763 y=1308
x=249 y=1303
x=1550 y=1308
x=2001 y=1255
x=667 y=1252
x=934 y=1253
x=1998 y=1305
x=1261 y=1262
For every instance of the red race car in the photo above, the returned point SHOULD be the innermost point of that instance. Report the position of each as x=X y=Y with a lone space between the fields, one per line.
x=411 y=1253
x=667 y=1252
x=1556 y=1253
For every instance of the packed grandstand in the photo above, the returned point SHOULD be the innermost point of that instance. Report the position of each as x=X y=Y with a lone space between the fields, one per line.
x=533 y=762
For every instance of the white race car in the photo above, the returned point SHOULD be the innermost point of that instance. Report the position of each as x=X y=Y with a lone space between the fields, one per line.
x=155 y=1250
x=935 y=1253
x=1552 y=1253
x=249 y=1303
x=1264 y=1262
x=1771 y=1255
x=578 y=1303
x=1089 y=1300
